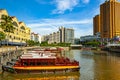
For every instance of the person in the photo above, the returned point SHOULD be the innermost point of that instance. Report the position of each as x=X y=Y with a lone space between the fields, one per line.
x=16 y=47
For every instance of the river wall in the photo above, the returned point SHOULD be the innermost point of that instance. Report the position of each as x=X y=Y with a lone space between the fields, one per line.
x=8 y=53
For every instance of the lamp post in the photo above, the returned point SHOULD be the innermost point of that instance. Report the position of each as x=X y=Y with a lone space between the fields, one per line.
x=12 y=41
x=21 y=44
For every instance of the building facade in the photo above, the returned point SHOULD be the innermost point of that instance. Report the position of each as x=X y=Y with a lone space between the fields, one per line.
x=54 y=37
x=96 y=24
x=69 y=35
x=110 y=18
x=64 y=35
x=35 y=37
x=20 y=34
x=89 y=38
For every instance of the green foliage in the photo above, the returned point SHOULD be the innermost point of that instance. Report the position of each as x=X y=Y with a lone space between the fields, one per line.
x=93 y=43
x=45 y=43
x=32 y=43
x=2 y=36
x=6 y=24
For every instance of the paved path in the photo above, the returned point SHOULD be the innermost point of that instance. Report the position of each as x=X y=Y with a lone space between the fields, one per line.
x=13 y=48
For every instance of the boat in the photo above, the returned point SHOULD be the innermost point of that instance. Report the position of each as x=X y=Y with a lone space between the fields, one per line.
x=42 y=62
x=113 y=47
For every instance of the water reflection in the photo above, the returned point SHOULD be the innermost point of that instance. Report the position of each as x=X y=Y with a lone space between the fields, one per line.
x=98 y=67
x=86 y=63
x=107 y=67
x=57 y=76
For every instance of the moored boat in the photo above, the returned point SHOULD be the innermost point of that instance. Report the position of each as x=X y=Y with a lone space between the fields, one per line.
x=42 y=63
x=113 y=47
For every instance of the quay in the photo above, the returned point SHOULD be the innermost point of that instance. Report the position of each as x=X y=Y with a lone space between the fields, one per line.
x=8 y=52
x=75 y=46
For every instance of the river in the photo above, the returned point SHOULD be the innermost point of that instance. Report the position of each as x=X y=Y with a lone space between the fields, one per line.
x=93 y=67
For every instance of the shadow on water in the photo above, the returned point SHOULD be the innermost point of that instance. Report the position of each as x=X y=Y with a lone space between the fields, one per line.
x=98 y=66
x=107 y=67
x=57 y=76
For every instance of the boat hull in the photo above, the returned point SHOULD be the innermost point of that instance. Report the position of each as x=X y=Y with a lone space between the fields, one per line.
x=46 y=69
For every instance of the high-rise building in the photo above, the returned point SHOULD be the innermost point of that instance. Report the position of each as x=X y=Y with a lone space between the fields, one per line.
x=96 y=24
x=62 y=34
x=110 y=18
x=66 y=35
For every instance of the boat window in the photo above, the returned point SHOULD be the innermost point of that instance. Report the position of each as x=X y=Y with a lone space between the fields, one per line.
x=51 y=63
x=32 y=63
x=25 y=63
x=38 y=63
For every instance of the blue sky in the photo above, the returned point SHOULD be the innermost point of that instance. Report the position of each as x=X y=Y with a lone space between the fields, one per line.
x=46 y=16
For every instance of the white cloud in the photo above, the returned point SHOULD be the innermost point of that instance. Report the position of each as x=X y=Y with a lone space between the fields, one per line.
x=86 y=1
x=57 y=22
x=83 y=32
x=63 y=5
x=47 y=26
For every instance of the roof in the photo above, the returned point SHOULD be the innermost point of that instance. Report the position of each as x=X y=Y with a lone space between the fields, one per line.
x=33 y=55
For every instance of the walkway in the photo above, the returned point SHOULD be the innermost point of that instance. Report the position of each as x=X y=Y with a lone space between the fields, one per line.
x=13 y=48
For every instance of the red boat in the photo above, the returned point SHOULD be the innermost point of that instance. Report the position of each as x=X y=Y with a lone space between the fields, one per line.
x=42 y=63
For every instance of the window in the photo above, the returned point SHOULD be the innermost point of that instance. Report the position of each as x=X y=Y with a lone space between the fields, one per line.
x=15 y=24
x=22 y=27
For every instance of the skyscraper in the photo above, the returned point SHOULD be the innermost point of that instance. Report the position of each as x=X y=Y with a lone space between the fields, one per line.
x=110 y=18
x=96 y=24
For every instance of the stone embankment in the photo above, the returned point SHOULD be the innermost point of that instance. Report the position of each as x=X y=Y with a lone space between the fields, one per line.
x=7 y=53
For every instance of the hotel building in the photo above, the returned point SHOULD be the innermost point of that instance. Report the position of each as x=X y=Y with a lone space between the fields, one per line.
x=96 y=24
x=110 y=19
x=20 y=34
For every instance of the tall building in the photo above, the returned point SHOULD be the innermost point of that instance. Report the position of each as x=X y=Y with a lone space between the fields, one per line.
x=110 y=18
x=96 y=24
x=66 y=35
x=20 y=34
x=69 y=35
x=62 y=34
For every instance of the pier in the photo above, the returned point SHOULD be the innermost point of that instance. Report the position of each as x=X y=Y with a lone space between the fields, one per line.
x=75 y=46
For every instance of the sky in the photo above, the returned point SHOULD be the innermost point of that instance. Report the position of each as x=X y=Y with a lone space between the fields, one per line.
x=46 y=16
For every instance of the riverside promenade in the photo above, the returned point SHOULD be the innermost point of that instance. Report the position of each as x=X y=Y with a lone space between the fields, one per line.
x=13 y=48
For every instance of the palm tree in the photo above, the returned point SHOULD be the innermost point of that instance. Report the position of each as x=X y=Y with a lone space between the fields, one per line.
x=2 y=36
x=7 y=25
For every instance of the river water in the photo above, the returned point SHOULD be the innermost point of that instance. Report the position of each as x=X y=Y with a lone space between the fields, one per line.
x=93 y=67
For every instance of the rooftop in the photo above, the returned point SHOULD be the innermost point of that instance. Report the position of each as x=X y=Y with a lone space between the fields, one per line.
x=34 y=55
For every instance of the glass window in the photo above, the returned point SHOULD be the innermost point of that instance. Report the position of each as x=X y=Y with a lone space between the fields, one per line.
x=15 y=24
x=22 y=27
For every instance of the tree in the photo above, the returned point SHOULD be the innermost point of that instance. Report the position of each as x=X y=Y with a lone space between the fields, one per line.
x=7 y=25
x=2 y=36
x=31 y=43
